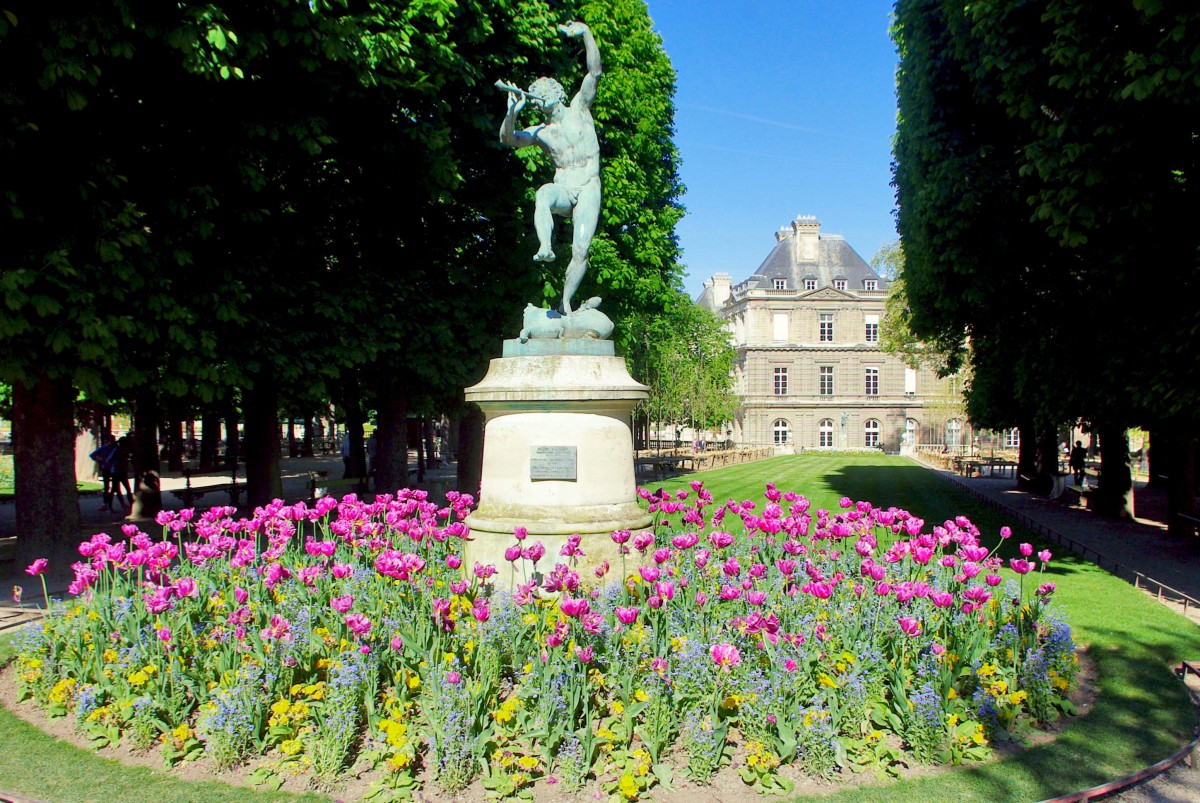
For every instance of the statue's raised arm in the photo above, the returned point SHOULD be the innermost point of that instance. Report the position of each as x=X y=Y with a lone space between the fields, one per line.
x=587 y=89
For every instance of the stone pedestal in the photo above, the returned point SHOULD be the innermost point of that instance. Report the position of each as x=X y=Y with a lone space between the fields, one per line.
x=557 y=453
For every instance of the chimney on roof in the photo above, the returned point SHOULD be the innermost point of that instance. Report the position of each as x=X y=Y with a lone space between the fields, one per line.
x=806 y=232
x=721 y=285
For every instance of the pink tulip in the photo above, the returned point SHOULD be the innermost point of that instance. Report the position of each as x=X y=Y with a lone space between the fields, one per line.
x=725 y=655
x=1020 y=565
x=37 y=567
x=1026 y=549
x=909 y=625
x=342 y=604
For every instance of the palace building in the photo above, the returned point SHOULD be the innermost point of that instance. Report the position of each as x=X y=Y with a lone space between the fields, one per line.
x=810 y=372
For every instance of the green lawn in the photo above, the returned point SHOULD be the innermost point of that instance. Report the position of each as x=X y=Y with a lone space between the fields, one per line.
x=1141 y=715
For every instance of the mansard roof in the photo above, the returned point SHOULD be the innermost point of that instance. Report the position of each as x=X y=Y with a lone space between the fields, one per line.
x=835 y=259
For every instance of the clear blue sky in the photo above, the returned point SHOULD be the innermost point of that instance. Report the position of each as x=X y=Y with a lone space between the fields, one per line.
x=783 y=107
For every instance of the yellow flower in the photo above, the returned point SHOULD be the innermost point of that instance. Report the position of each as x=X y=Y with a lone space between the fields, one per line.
x=414 y=682
x=618 y=707
x=952 y=693
x=182 y=733
x=628 y=787
x=1017 y=697
x=280 y=708
x=677 y=643
x=109 y=656
x=827 y=681
x=528 y=762
x=641 y=696
x=290 y=747
x=298 y=710
x=977 y=737
x=987 y=670
x=138 y=678
x=953 y=720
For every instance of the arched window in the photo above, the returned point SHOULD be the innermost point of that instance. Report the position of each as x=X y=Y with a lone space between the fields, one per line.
x=782 y=431
x=910 y=431
x=825 y=432
x=954 y=432
x=871 y=433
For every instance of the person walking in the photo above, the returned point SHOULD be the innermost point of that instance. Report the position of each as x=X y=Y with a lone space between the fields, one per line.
x=121 y=459
x=1077 y=460
x=103 y=455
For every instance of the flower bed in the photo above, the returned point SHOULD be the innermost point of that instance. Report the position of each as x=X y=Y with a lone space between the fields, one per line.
x=350 y=635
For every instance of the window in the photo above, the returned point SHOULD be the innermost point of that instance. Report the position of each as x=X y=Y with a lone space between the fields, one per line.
x=825 y=386
x=870 y=285
x=872 y=387
x=839 y=284
x=781 y=381
x=871 y=433
x=910 y=431
x=825 y=432
x=810 y=284
x=910 y=382
x=781 y=431
x=954 y=432
x=1012 y=439
x=871 y=333
x=779 y=284
x=826 y=327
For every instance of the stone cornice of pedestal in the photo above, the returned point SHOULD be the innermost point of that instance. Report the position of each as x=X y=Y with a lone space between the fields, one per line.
x=529 y=382
x=635 y=519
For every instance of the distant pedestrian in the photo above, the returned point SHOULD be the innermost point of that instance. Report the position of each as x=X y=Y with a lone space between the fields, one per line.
x=103 y=456
x=346 y=456
x=1078 y=458
x=120 y=472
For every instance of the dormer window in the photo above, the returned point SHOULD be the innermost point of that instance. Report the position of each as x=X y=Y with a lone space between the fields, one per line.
x=870 y=285
x=779 y=284
x=839 y=284
x=810 y=284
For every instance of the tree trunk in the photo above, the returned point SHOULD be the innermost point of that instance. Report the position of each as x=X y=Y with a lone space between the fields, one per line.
x=355 y=419
x=1177 y=459
x=421 y=464
x=1115 y=495
x=209 y=437
x=450 y=439
x=175 y=444
x=1027 y=455
x=44 y=472
x=233 y=443
x=391 y=439
x=470 y=450
x=306 y=445
x=260 y=406
x=1158 y=471
x=147 y=494
x=432 y=458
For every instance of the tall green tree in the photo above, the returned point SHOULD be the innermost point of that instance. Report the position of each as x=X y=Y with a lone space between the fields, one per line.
x=1042 y=158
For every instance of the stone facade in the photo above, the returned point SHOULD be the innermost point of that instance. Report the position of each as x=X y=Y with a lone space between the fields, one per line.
x=810 y=372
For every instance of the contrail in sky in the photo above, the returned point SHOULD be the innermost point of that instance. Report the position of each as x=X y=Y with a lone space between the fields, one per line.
x=766 y=121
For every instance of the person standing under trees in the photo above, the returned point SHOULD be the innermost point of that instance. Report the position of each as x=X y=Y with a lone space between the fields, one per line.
x=103 y=456
x=1078 y=457
x=569 y=138
x=120 y=472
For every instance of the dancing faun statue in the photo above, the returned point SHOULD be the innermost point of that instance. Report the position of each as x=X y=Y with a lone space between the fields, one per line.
x=568 y=136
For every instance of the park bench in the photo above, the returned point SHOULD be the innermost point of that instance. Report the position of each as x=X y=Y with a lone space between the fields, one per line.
x=320 y=479
x=190 y=493
x=1188 y=666
x=661 y=466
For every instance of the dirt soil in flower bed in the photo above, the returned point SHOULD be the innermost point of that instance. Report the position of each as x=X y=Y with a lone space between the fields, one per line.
x=726 y=786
